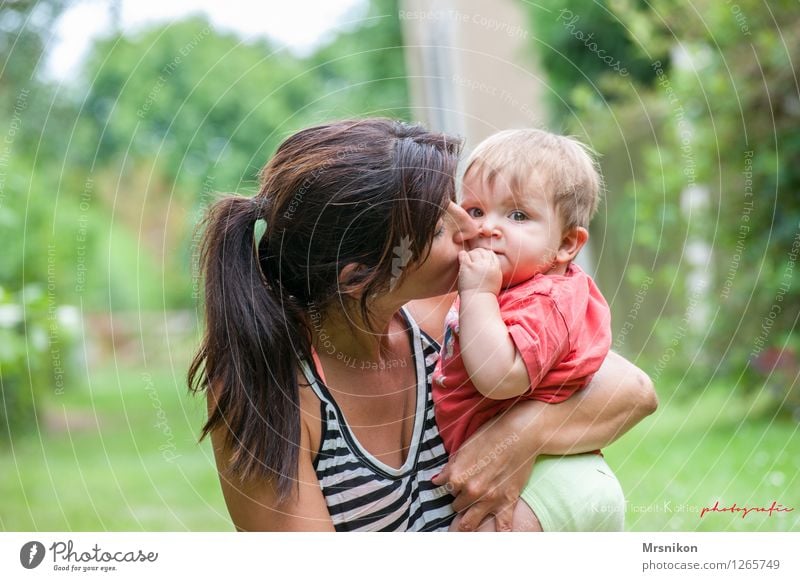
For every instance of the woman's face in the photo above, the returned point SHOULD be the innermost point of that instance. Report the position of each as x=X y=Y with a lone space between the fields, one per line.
x=438 y=274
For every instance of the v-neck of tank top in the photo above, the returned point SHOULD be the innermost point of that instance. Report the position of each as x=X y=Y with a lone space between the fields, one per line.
x=316 y=378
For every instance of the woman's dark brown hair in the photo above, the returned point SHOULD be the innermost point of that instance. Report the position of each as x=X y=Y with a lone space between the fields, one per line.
x=350 y=192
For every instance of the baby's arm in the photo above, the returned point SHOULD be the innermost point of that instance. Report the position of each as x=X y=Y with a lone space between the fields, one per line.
x=495 y=367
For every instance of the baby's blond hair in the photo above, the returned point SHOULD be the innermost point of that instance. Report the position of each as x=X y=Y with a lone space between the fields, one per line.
x=565 y=165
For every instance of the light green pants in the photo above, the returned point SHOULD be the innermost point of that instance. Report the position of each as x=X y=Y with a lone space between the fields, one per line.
x=575 y=493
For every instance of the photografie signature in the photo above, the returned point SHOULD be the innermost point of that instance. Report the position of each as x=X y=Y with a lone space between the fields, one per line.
x=775 y=507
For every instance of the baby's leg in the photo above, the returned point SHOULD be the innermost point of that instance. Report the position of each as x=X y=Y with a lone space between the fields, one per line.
x=575 y=493
x=569 y=493
x=487 y=526
x=524 y=520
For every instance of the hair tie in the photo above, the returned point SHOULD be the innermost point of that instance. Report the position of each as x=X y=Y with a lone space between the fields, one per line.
x=258 y=203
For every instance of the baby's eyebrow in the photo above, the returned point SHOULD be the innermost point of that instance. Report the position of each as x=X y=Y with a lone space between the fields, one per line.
x=470 y=199
x=521 y=202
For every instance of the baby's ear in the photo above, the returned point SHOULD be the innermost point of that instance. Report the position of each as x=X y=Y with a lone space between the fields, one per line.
x=571 y=244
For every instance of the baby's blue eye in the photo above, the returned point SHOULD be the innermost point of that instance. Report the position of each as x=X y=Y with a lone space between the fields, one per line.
x=475 y=212
x=518 y=216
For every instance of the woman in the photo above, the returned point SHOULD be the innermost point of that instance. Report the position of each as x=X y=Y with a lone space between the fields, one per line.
x=318 y=375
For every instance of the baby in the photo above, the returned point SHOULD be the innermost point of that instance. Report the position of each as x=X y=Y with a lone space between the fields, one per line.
x=528 y=323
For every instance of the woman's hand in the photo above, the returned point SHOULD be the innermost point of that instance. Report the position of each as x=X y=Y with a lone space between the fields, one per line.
x=488 y=472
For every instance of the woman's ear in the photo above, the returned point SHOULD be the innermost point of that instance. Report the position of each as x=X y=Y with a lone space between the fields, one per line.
x=351 y=280
x=571 y=244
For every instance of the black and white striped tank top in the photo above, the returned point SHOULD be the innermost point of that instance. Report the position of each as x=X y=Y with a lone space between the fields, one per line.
x=363 y=493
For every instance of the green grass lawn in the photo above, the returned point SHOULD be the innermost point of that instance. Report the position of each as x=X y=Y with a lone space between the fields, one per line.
x=121 y=454
x=129 y=460
x=713 y=447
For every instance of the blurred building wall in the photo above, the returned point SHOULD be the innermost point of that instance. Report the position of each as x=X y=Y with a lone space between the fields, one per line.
x=472 y=66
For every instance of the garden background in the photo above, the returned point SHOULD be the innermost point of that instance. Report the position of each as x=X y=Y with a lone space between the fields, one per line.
x=103 y=176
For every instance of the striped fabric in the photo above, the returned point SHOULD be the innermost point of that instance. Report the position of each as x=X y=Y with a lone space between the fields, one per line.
x=363 y=493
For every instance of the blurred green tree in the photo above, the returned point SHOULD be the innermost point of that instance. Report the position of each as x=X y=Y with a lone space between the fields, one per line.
x=742 y=99
x=363 y=70
x=584 y=47
x=34 y=348
x=193 y=102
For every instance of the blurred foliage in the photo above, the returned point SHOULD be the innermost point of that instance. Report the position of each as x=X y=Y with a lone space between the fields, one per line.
x=583 y=46
x=192 y=102
x=699 y=153
x=29 y=107
x=196 y=105
x=180 y=111
x=363 y=71
x=17 y=410
x=24 y=29
x=37 y=338
x=34 y=347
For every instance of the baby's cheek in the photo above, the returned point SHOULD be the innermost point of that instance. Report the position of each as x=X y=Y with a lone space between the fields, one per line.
x=507 y=269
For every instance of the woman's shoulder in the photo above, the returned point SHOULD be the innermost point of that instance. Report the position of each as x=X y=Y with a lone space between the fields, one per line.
x=310 y=415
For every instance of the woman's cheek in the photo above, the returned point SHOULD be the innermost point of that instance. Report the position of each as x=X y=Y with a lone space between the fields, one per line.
x=442 y=267
x=447 y=257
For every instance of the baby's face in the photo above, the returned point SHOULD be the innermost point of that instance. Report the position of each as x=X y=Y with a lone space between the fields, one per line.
x=524 y=231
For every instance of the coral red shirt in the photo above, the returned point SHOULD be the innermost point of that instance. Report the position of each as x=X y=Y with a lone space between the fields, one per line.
x=561 y=326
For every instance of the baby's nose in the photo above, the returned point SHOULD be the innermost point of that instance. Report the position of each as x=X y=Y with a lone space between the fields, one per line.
x=487 y=228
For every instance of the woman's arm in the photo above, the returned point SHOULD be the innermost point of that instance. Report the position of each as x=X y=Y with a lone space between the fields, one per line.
x=254 y=506
x=490 y=469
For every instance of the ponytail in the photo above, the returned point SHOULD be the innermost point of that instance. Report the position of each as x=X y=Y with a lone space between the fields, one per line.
x=255 y=334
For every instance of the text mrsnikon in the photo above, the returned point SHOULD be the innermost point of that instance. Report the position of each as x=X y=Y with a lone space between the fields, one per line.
x=673 y=548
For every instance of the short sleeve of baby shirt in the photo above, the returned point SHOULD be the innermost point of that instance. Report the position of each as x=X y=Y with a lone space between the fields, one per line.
x=540 y=334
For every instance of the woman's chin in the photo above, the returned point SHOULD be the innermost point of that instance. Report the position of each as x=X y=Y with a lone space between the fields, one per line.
x=444 y=290
x=439 y=290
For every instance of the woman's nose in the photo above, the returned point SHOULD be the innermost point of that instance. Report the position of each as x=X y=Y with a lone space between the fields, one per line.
x=466 y=229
